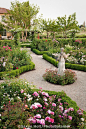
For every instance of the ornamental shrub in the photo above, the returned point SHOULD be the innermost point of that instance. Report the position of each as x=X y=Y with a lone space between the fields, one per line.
x=51 y=76
x=22 y=107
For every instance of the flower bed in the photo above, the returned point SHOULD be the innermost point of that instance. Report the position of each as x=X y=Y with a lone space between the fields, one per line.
x=51 y=76
x=67 y=65
x=23 y=107
x=13 y=61
x=17 y=72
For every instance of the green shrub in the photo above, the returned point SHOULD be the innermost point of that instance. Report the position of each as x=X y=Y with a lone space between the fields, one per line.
x=16 y=72
x=67 y=65
x=26 y=45
x=10 y=43
x=17 y=95
x=51 y=76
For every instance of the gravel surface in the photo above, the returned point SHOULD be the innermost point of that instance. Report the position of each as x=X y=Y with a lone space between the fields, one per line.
x=76 y=91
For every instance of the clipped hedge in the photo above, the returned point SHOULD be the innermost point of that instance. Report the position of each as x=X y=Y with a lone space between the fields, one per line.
x=67 y=65
x=63 y=42
x=39 y=52
x=26 y=45
x=50 y=59
x=19 y=71
x=10 y=43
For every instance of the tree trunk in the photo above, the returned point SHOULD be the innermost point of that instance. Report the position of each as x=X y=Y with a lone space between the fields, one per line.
x=22 y=35
x=53 y=35
x=47 y=35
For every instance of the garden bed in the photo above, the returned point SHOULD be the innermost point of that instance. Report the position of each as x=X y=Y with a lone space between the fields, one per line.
x=67 y=65
x=17 y=72
x=39 y=107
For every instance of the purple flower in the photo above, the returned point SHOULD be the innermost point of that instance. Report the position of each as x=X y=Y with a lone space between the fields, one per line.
x=79 y=112
x=70 y=109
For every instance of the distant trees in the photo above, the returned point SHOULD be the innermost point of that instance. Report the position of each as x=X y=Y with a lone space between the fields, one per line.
x=61 y=24
x=50 y=26
x=21 y=15
x=68 y=25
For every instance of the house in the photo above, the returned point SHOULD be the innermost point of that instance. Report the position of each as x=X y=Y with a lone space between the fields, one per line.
x=5 y=34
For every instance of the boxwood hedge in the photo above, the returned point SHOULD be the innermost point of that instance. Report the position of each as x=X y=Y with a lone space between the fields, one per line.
x=67 y=65
x=18 y=71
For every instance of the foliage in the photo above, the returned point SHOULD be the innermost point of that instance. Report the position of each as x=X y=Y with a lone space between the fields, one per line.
x=13 y=58
x=68 y=65
x=15 y=115
x=68 y=24
x=14 y=96
x=9 y=43
x=17 y=72
x=25 y=18
x=22 y=106
x=51 y=76
x=1 y=28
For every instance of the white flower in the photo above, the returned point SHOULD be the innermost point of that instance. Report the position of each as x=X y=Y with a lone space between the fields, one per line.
x=11 y=99
x=28 y=96
x=82 y=119
x=29 y=99
x=4 y=64
x=25 y=93
x=0 y=114
x=18 y=97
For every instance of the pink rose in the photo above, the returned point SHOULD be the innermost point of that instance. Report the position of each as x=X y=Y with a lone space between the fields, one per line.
x=70 y=117
x=47 y=118
x=22 y=91
x=51 y=120
x=53 y=104
x=35 y=93
x=26 y=106
x=42 y=122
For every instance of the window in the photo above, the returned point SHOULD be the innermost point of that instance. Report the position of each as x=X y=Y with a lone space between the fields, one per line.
x=4 y=32
x=3 y=18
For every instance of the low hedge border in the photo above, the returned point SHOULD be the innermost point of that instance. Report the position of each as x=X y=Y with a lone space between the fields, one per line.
x=39 y=52
x=26 y=45
x=19 y=71
x=67 y=65
x=64 y=98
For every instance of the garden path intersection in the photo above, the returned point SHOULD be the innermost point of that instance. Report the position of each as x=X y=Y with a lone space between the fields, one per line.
x=76 y=91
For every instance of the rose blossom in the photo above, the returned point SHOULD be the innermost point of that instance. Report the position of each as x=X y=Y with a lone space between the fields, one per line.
x=35 y=93
x=53 y=104
x=70 y=117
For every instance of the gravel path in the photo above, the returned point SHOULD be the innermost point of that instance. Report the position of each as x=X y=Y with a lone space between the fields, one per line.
x=76 y=91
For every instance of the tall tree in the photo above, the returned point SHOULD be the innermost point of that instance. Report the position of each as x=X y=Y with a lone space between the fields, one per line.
x=50 y=26
x=67 y=24
x=21 y=15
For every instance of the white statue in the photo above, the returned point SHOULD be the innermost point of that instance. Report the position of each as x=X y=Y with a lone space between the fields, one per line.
x=61 y=65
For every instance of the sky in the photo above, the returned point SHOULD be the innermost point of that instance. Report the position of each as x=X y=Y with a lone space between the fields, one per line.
x=55 y=8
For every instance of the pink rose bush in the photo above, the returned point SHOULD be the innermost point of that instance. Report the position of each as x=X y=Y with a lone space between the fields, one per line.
x=47 y=112
x=42 y=109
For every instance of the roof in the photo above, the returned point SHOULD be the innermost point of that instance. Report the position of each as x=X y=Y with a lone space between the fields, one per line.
x=3 y=10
